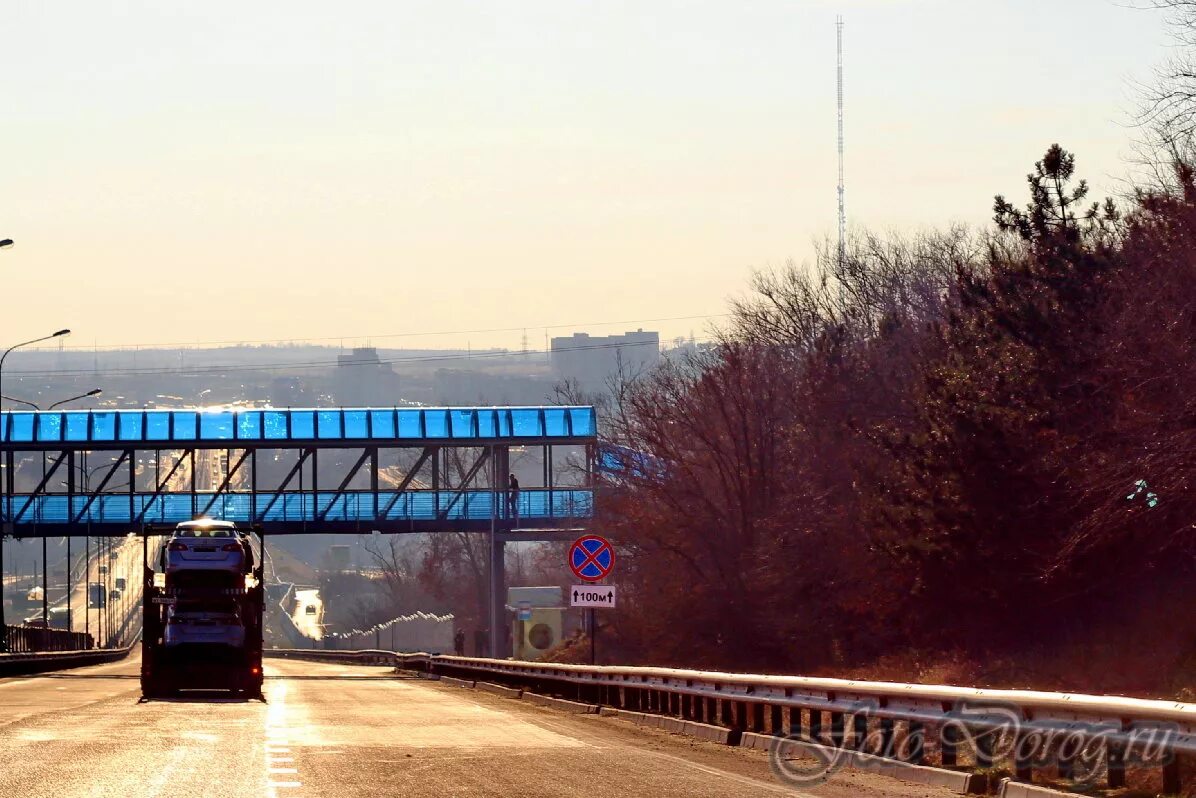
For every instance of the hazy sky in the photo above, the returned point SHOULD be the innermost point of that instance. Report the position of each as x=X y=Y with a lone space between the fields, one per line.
x=209 y=171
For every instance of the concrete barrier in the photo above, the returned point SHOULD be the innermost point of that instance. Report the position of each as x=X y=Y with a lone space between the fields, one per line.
x=1017 y=789
x=560 y=704
x=498 y=689
x=954 y=780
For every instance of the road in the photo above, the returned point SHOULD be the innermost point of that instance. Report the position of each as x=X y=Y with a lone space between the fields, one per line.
x=331 y=731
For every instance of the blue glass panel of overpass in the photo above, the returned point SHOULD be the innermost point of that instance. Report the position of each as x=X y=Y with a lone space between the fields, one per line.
x=103 y=426
x=216 y=425
x=276 y=425
x=356 y=426
x=410 y=425
x=185 y=422
x=436 y=423
x=329 y=424
x=556 y=422
x=130 y=427
x=462 y=423
x=76 y=426
x=582 y=421
x=303 y=424
x=249 y=425
x=49 y=427
x=525 y=423
x=382 y=423
x=157 y=425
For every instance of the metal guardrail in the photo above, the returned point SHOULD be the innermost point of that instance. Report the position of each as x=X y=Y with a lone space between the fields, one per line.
x=42 y=661
x=28 y=639
x=1080 y=737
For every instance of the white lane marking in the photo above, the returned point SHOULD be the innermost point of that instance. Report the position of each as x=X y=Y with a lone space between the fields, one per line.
x=278 y=737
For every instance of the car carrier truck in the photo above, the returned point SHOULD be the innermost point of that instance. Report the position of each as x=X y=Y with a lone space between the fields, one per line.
x=203 y=610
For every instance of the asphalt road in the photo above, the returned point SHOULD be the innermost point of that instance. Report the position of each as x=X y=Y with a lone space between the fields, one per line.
x=344 y=731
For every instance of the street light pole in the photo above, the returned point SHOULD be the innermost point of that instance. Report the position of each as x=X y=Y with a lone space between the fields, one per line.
x=8 y=481
x=92 y=392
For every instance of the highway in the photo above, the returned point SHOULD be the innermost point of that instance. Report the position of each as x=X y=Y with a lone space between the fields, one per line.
x=345 y=731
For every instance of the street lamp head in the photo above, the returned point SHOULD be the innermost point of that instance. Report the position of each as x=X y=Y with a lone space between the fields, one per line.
x=61 y=332
x=5 y=243
x=94 y=392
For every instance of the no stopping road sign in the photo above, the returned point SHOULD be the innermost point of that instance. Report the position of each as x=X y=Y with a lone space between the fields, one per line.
x=591 y=558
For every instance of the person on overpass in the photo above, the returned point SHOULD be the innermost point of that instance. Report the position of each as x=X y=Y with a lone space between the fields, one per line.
x=459 y=643
x=513 y=497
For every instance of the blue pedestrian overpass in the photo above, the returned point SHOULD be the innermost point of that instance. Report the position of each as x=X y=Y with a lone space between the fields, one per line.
x=311 y=470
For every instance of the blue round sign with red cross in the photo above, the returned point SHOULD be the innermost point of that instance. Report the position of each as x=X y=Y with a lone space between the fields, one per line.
x=591 y=558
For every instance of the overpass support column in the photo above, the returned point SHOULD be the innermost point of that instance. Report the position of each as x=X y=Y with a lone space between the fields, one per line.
x=498 y=598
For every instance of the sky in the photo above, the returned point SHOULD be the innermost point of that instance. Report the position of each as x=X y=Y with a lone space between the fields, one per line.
x=450 y=173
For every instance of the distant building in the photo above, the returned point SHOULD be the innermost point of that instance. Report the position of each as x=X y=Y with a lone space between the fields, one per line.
x=340 y=557
x=362 y=379
x=589 y=360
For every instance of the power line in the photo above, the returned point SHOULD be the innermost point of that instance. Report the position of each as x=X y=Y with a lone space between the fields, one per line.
x=219 y=369
x=425 y=334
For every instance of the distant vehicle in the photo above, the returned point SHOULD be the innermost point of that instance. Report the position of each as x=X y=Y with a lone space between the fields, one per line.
x=103 y=570
x=60 y=618
x=114 y=594
x=112 y=555
x=36 y=621
x=120 y=583
x=34 y=596
x=96 y=595
x=310 y=609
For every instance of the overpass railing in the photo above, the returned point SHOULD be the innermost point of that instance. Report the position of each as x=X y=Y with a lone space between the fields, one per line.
x=1084 y=738
x=534 y=504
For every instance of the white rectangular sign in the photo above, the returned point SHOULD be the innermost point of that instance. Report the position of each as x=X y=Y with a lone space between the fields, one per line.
x=591 y=596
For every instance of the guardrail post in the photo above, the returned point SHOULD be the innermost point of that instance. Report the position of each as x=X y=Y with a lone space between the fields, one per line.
x=886 y=738
x=984 y=748
x=1065 y=765
x=757 y=717
x=1115 y=762
x=1023 y=764
x=859 y=729
x=948 y=735
x=795 y=721
x=837 y=729
x=815 y=725
x=1172 y=783
x=915 y=743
